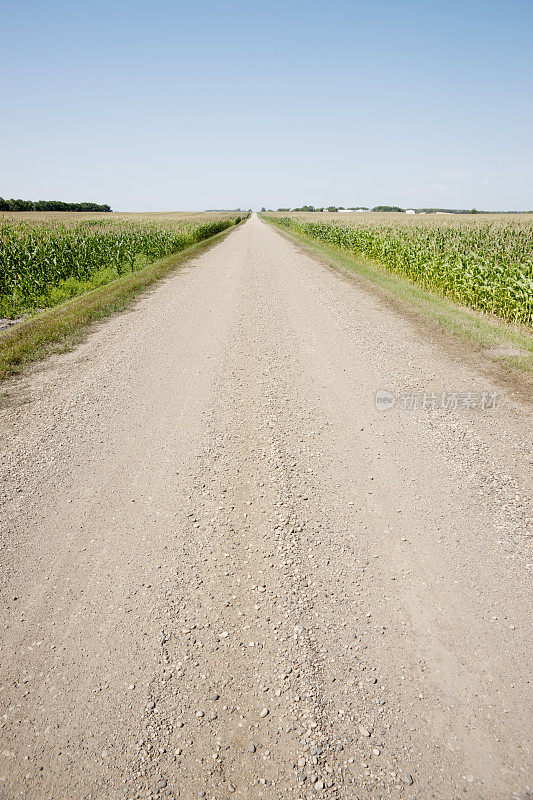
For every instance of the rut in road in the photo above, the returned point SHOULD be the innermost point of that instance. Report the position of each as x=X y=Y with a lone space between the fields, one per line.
x=236 y=578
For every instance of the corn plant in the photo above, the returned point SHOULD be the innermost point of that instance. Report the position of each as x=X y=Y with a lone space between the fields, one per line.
x=484 y=265
x=34 y=258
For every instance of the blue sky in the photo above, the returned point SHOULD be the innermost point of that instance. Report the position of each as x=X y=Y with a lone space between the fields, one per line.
x=170 y=105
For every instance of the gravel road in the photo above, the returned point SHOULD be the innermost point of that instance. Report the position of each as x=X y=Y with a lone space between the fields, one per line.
x=226 y=574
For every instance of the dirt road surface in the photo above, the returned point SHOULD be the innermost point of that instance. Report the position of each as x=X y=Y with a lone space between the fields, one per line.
x=226 y=574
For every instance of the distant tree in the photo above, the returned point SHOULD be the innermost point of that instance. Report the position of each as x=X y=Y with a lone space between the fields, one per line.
x=49 y=205
x=332 y=208
x=283 y=209
x=388 y=208
x=21 y=205
x=263 y=209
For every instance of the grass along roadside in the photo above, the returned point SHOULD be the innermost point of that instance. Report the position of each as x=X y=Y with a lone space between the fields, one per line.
x=59 y=327
x=508 y=347
x=484 y=266
x=44 y=263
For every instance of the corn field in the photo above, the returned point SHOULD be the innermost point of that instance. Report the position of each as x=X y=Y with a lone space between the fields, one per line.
x=36 y=257
x=486 y=265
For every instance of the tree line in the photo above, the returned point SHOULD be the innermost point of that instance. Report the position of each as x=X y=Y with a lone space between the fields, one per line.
x=398 y=209
x=329 y=208
x=49 y=205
